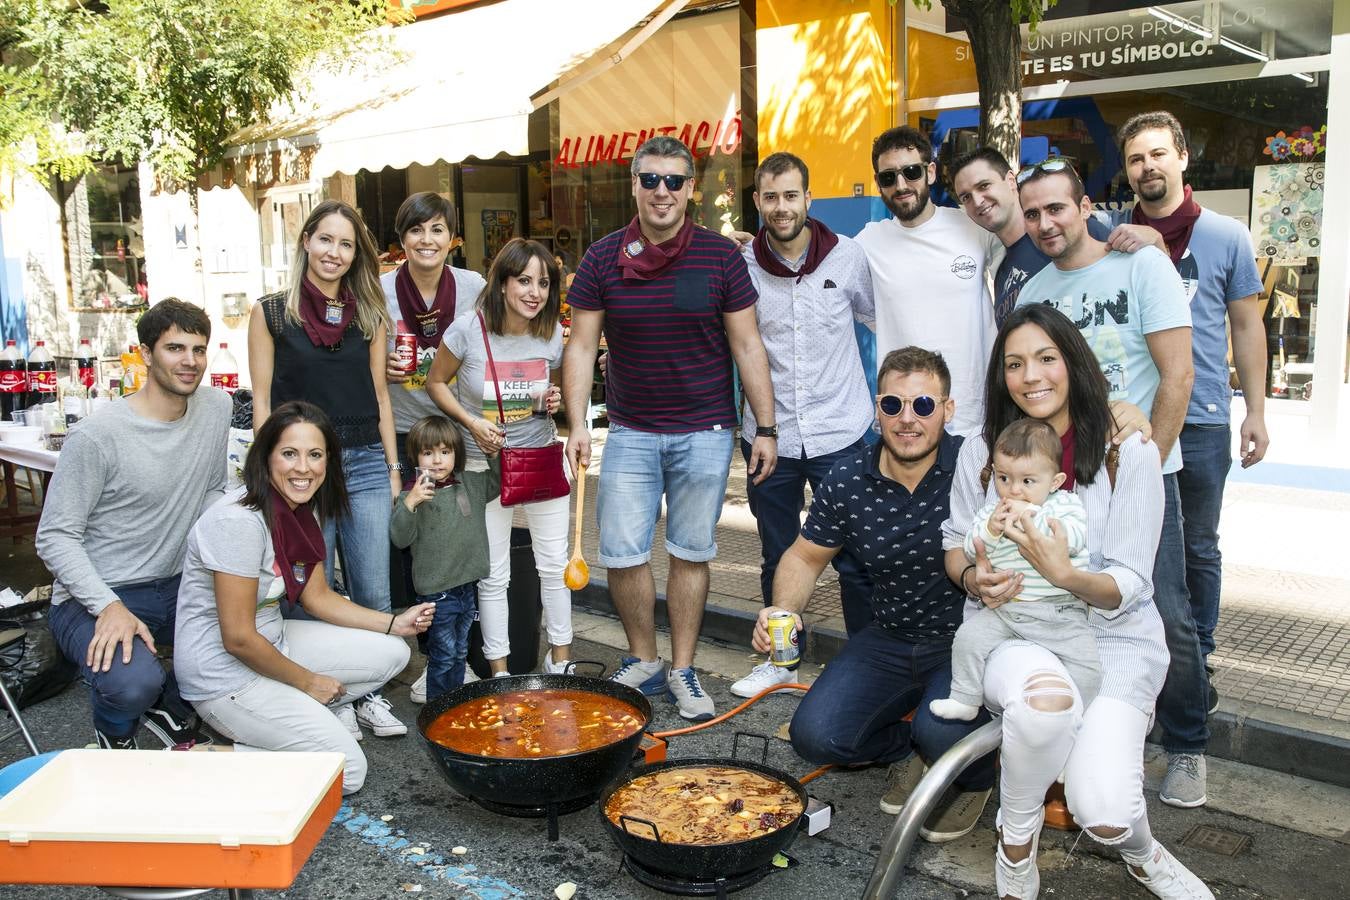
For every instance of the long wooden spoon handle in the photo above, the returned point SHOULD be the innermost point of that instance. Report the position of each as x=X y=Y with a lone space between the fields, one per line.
x=581 y=506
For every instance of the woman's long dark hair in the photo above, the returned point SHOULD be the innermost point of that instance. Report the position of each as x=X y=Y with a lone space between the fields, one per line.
x=1089 y=409
x=511 y=260
x=331 y=498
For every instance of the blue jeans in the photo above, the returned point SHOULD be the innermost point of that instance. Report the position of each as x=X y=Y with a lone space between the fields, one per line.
x=689 y=468
x=777 y=503
x=363 y=534
x=854 y=712
x=120 y=695
x=448 y=636
x=1207 y=451
x=1182 y=705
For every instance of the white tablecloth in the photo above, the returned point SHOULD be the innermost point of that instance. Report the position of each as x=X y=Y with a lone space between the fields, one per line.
x=32 y=456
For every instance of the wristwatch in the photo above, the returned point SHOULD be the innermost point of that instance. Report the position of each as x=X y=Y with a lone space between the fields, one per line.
x=769 y=431
x=394 y=467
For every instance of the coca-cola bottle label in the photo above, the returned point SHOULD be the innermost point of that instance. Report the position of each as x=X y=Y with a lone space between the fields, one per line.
x=226 y=382
x=43 y=382
x=86 y=376
x=13 y=381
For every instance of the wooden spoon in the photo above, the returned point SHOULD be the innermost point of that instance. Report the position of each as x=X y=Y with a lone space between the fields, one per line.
x=577 y=574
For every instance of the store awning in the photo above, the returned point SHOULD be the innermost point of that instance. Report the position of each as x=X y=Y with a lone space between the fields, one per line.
x=456 y=86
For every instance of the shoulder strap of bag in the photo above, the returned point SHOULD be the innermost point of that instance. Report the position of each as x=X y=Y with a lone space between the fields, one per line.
x=492 y=371
x=1112 y=464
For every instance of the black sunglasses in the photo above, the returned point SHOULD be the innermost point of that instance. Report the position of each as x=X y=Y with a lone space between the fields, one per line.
x=649 y=181
x=912 y=172
x=891 y=405
x=1053 y=164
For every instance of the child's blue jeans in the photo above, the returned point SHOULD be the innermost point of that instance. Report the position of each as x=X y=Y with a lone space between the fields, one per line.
x=448 y=636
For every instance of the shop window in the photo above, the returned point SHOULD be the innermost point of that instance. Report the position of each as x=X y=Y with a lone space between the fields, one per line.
x=101 y=213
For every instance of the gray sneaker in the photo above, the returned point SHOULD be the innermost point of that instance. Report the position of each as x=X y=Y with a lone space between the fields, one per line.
x=955 y=816
x=901 y=779
x=685 y=690
x=1184 y=783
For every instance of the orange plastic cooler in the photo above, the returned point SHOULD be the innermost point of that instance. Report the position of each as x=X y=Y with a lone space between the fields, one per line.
x=155 y=819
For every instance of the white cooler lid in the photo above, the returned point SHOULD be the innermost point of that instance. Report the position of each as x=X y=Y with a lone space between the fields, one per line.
x=153 y=796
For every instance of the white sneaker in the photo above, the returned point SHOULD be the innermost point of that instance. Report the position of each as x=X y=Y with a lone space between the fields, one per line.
x=648 y=677
x=470 y=676
x=552 y=668
x=685 y=690
x=764 y=675
x=373 y=711
x=347 y=716
x=1165 y=877
x=418 y=692
x=1022 y=879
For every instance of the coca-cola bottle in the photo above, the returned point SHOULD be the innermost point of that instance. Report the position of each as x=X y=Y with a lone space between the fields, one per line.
x=41 y=375
x=225 y=371
x=13 y=380
x=86 y=365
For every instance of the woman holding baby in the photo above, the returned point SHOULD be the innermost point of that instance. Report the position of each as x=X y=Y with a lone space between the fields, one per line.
x=1042 y=368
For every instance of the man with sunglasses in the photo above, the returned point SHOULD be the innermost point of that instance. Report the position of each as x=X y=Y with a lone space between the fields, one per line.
x=1134 y=312
x=677 y=305
x=1214 y=256
x=885 y=506
x=812 y=285
x=928 y=268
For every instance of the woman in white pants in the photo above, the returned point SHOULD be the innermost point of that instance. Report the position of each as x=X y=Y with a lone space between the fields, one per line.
x=264 y=681
x=517 y=321
x=1042 y=367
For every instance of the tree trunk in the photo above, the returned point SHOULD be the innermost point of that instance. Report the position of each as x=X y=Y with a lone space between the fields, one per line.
x=996 y=44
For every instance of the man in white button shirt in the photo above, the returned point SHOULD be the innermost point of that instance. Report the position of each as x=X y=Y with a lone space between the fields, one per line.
x=812 y=285
x=928 y=272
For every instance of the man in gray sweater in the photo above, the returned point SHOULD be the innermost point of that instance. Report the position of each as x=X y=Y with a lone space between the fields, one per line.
x=131 y=481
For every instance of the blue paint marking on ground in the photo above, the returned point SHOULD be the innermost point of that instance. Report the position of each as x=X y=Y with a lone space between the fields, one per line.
x=1313 y=478
x=393 y=841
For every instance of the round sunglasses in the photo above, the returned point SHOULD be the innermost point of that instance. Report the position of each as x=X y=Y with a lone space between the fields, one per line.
x=912 y=172
x=892 y=406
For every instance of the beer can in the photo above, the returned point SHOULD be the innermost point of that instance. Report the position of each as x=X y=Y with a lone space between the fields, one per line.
x=405 y=351
x=784 y=650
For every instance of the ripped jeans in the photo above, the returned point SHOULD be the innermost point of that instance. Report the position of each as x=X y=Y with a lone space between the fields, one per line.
x=1100 y=752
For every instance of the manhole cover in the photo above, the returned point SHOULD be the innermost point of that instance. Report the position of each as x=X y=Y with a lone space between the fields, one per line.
x=1217 y=840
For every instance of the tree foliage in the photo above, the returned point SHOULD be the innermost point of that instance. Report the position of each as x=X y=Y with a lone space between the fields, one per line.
x=167 y=81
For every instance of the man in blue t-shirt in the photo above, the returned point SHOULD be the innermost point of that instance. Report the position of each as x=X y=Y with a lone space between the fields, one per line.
x=1214 y=257
x=984 y=185
x=1132 y=310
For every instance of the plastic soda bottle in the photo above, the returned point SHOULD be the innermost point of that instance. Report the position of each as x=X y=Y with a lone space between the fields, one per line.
x=86 y=365
x=225 y=371
x=41 y=374
x=13 y=380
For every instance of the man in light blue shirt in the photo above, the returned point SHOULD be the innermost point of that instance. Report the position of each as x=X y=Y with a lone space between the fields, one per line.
x=813 y=285
x=1213 y=254
x=1133 y=311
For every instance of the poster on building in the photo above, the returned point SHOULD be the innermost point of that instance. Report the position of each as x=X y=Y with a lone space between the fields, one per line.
x=499 y=226
x=1287 y=211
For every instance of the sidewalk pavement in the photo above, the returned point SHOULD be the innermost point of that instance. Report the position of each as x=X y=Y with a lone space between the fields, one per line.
x=1282 y=662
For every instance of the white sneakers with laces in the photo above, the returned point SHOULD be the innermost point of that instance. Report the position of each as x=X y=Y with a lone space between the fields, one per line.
x=1165 y=877
x=373 y=711
x=764 y=675
x=347 y=716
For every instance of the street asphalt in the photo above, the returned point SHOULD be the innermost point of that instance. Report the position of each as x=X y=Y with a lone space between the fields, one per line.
x=1297 y=830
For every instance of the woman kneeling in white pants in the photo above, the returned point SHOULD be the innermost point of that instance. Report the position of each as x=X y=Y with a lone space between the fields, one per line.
x=1043 y=368
x=264 y=681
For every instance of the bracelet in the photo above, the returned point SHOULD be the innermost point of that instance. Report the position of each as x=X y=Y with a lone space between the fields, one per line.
x=962 y=579
x=390 y=629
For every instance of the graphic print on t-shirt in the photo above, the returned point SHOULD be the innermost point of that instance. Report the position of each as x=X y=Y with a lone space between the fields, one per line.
x=276 y=590
x=517 y=380
x=1101 y=320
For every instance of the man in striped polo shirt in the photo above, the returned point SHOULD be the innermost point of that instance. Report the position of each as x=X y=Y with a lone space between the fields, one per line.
x=812 y=285
x=677 y=305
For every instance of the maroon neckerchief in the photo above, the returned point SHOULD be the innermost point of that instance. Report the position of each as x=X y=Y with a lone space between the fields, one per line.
x=823 y=240
x=1067 y=442
x=427 y=324
x=642 y=261
x=1175 y=229
x=297 y=543
x=325 y=320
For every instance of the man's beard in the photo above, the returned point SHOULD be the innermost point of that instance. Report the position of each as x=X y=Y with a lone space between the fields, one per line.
x=920 y=203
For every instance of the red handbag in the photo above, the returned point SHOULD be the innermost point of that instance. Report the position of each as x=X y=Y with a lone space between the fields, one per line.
x=529 y=474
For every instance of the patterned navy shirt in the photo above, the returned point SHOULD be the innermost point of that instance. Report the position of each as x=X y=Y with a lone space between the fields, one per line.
x=897 y=535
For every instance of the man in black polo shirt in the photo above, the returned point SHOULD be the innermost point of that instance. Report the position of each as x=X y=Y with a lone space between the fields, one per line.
x=887 y=505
